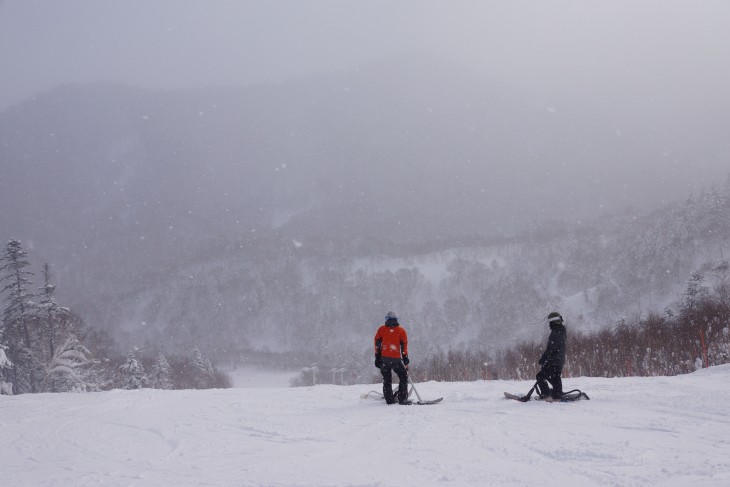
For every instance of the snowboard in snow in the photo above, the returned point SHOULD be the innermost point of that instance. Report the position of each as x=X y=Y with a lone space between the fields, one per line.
x=377 y=395
x=432 y=401
x=574 y=396
x=516 y=398
x=425 y=403
x=568 y=397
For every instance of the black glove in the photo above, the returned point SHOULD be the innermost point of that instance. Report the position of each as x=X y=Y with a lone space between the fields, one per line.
x=378 y=361
x=542 y=360
x=405 y=360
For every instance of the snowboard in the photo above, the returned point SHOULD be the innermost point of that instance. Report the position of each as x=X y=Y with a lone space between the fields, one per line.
x=432 y=401
x=377 y=395
x=567 y=397
x=574 y=396
x=516 y=398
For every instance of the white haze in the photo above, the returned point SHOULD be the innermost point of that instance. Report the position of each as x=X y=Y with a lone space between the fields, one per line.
x=667 y=50
x=651 y=72
x=149 y=148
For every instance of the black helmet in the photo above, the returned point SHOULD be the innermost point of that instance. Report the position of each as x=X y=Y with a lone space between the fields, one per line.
x=555 y=317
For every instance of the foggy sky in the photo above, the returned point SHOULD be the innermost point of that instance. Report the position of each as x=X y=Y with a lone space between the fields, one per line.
x=669 y=49
x=577 y=108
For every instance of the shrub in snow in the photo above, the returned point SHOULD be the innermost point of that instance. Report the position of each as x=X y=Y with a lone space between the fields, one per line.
x=698 y=363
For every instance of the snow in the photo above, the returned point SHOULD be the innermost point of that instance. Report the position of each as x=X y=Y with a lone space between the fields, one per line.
x=4 y=361
x=244 y=377
x=663 y=431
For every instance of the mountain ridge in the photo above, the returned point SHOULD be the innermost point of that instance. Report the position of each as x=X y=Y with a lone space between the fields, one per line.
x=121 y=187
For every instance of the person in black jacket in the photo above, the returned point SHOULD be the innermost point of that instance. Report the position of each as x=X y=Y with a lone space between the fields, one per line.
x=552 y=361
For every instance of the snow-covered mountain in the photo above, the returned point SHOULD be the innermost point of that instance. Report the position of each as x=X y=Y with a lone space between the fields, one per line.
x=296 y=214
x=303 y=297
x=661 y=431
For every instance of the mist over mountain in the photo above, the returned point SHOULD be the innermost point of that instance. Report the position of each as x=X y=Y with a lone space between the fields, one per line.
x=168 y=212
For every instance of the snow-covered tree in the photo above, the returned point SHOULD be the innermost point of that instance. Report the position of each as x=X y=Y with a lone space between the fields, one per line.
x=694 y=294
x=4 y=361
x=15 y=326
x=203 y=373
x=5 y=365
x=17 y=316
x=71 y=369
x=52 y=316
x=132 y=373
x=161 y=374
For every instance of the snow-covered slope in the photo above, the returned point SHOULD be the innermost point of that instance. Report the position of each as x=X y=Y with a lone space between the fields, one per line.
x=668 y=431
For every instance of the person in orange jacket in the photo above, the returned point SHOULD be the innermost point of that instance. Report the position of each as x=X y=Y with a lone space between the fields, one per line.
x=391 y=355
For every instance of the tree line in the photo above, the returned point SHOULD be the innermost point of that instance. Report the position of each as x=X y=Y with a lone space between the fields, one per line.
x=693 y=335
x=327 y=294
x=45 y=347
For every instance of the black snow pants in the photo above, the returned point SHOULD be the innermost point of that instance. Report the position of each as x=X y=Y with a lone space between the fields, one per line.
x=394 y=365
x=553 y=376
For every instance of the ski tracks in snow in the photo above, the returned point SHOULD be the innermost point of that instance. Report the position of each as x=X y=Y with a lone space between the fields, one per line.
x=633 y=432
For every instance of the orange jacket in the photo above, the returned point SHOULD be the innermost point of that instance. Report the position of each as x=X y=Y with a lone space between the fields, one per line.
x=391 y=341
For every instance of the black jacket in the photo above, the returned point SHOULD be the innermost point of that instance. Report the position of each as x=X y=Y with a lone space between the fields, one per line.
x=554 y=355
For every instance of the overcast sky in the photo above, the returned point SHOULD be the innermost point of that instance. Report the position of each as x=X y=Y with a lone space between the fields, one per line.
x=673 y=46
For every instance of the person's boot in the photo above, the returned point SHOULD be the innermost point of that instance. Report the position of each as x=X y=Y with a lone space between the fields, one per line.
x=388 y=393
x=540 y=393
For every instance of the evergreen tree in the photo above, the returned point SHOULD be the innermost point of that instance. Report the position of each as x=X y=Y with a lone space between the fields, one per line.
x=51 y=315
x=132 y=372
x=161 y=374
x=17 y=316
x=203 y=374
x=695 y=293
x=71 y=369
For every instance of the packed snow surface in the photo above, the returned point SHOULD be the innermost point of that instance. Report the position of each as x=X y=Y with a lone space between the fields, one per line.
x=667 y=431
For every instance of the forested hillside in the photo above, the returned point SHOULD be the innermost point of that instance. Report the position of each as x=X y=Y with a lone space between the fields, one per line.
x=279 y=223
x=694 y=334
x=45 y=347
x=305 y=299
